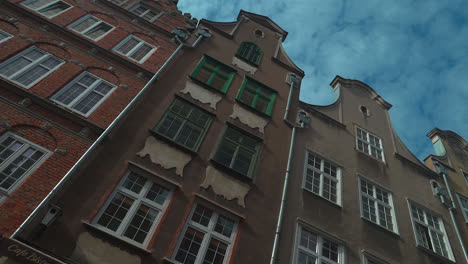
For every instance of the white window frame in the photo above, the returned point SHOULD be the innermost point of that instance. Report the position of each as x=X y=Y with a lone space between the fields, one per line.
x=462 y=208
x=149 y=9
x=134 y=49
x=440 y=223
x=139 y=199
x=465 y=175
x=366 y=257
x=322 y=176
x=90 y=27
x=8 y=36
x=31 y=65
x=84 y=94
x=208 y=233
x=366 y=141
x=377 y=202
x=26 y=143
x=51 y=2
x=320 y=239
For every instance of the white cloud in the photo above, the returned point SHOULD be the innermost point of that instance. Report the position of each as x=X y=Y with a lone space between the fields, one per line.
x=413 y=53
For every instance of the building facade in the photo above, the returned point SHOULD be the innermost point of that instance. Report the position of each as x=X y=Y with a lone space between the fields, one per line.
x=67 y=69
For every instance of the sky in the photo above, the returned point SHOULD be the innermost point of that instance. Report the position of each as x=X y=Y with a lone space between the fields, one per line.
x=414 y=53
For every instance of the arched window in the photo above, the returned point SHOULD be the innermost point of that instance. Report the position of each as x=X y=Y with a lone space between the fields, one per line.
x=250 y=52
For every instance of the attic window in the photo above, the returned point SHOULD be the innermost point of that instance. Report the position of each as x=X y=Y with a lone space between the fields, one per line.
x=364 y=110
x=250 y=53
x=259 y=33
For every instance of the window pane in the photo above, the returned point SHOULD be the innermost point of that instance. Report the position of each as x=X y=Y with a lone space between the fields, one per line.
x=157 y=194
x=10 y=68
x=202 y=215
x=115 y=211
x=243 y=160
x=189 y=247
x=16 y=169
x=31 y=75
x=7 y=147
x=141 y=52
x=308 y=240
x=71 y=93
x=215 y=253
x=134 y=183
x=34 y=4
x=224 y=226
x=85 y=24
x=54 y=9
x=141 y=223
x=225 y=152
x=98 y=30
x=88 y=102
x=330 y=250
x=305 y=259
x=128 y=45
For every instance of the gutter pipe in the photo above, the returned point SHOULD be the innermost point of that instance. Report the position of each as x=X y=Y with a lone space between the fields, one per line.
x=202 y=33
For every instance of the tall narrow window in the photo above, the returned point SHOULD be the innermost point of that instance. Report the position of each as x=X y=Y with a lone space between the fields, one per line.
x=323 y=178
x=91 y=27
x=369 y=143
x=238 y=151
x=250 y=52
x=257 y=96
x=135 y=49
x=207 y=238
x=184 y=123
x=4 y=36
x=463 y=200
x=214 y=74
x=84 y=94
x=313 y=248
x=47 y=8
x=134 y=209
x=465 y=175
x=29 y=67
x=377 y=205
x=145 y=12
x=18 y=159
x=429 y=231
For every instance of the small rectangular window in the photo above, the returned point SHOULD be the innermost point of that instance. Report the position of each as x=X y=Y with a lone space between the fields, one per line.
x=207 y=238
x=134 y=209
x=135 y=49
x=18 y=159
x=463 y=200
x=429 y=231
x=84 y=94
x=377 y=205
x=314 y=248
x=91 y=27
x=4 y=36
x=257 y=96
x=184 y=123
x=214 y=74
x=369 y=144
x=238 y=151
x=323 y=178
x=29 y=67
x=145 y=12
x=47 y=8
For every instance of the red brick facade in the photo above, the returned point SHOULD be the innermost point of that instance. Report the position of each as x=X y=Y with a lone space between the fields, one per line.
x=32 y=115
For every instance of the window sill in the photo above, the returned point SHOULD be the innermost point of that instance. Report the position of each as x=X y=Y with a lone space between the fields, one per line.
x=369 y=156
x=120 y=240
x=253 y=110
x=435 y=255
x=234 y=173
x=174 y=144
x=339 y=206
x=393 y=233
x=207 y=86
x=167 y=260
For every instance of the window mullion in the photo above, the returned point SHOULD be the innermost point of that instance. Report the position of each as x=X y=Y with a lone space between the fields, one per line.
x=234 y=156
x=134 y=49
x=27 y=67
x=91 y=27
x=126 y=220
x=85 y=93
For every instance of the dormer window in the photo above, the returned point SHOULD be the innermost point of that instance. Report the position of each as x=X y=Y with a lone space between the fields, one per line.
x=250 y=52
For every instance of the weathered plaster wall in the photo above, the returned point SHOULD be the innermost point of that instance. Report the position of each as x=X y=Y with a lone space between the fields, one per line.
x=201 y=94
x=249 y=118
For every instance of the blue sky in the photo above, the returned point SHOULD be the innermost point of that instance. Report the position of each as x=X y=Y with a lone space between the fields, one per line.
x=414 y=53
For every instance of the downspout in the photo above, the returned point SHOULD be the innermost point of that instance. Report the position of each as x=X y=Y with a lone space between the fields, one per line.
x=274 y=252
x=100 y=139
x=442 y=171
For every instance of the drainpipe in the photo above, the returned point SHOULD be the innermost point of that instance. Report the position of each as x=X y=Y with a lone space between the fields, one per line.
x=202 y=33
x=443 y=172
x=286 y=176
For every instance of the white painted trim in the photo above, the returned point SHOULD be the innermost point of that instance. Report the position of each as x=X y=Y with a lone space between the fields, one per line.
x=37 y=10
x=134 y=49
x=9 y=36
x=77 y=22
x=159 y=12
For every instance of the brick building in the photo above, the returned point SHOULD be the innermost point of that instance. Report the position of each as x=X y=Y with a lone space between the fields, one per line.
x=67 y=69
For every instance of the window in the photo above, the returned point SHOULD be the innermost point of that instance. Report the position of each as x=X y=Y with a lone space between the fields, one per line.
x=323 y=178
x=257 y=96
x=214 y=74
x=29 y=67
x=429 y=231
x=314 y=248
x=463 y=205
x=4 y=36
x=369 y=143
x=184 y=123
x=377 y=205
x=134 y=209
x=135 y=49
x=372 y=260
x=91 y=27
x=18 y=159
x=238 y=151
x=84 y=94
x=250 y=52
x=145 y=12
x=208 y=237
x=465 y=175
x=117 y=2
x=47 y=8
